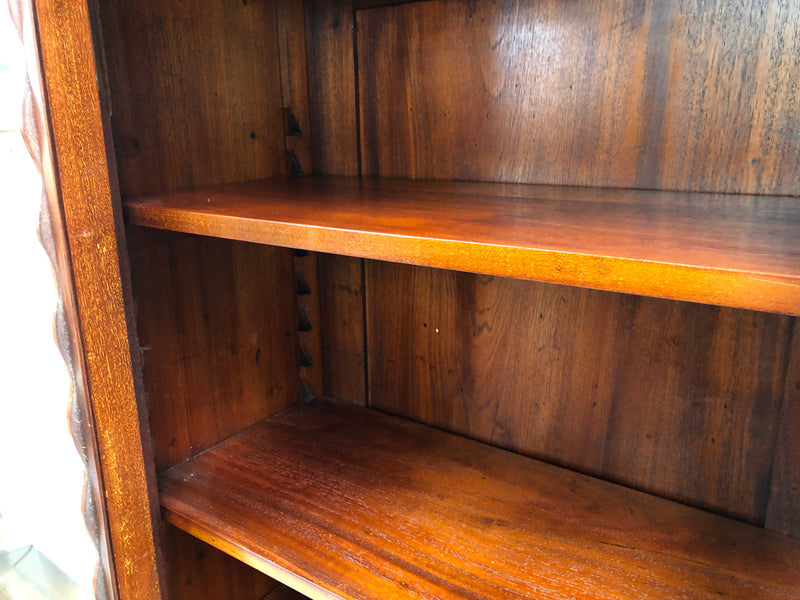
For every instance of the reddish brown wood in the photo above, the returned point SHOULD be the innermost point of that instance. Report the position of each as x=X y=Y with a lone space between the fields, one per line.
x=369 y=506
x=331 y=86
x=341 y=281
x=677 y=399
x=87 y=221
x=783 y=514
x=217 y=321
x=197 y=570
x=695 y=96
x=196 y=92
x=334 y=125
x=738 y=251
x=294 y=76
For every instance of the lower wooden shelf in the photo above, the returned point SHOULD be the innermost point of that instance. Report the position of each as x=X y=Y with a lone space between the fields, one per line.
x=339 y=501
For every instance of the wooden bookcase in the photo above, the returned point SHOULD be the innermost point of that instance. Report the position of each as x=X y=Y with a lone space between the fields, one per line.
x=525 y=327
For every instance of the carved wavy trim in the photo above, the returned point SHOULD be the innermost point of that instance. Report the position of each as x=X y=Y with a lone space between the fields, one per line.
x=35 y=132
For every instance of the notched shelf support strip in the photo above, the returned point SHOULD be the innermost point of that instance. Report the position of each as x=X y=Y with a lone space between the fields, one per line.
x=309 y=344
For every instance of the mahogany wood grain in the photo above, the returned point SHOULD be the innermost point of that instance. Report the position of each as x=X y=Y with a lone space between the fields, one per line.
x=335 y=149
x=673 y=398
x=341 y=501
x=294 y=76
x=86 y=218
x=341 y=280
x=196 y=570
x=196 y=92
x=783 y=513
x=737 y=251
x=682 y=95
x=331 y=86
x=217 y=320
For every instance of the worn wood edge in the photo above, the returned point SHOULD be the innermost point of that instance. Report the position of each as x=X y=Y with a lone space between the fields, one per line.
x=736 y=289
x=85 y=201
x=269 y=568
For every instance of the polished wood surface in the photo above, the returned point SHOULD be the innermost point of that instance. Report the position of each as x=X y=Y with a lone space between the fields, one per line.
x=664 y=95
x=95 y=287
x=196 y=92
x=657 y=94
x=732 y=250
x=364 y=505
x=673 y=398
x=217 y=320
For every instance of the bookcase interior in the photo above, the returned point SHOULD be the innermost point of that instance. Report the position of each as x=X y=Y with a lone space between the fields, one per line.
x=246 y=309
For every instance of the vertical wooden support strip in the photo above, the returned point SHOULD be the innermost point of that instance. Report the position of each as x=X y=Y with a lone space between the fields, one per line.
x=84 y=206
x=308 y=326
x=294 y=78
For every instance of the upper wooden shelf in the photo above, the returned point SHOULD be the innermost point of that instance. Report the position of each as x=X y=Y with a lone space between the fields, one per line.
x=739 y=251
x=340 y=501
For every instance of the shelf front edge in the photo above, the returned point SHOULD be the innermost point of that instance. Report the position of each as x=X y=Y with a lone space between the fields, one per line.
x=734 y=289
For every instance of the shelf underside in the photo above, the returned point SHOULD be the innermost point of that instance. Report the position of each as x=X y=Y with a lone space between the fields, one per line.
x=340 y=501
x=740 y=251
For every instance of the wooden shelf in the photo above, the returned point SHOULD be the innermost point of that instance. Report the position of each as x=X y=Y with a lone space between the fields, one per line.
x=339 y=501
x=740 y=251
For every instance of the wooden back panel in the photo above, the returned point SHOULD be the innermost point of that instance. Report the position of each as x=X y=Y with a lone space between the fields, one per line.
x=675 y=398
x=678 y=399
x=673 y=95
